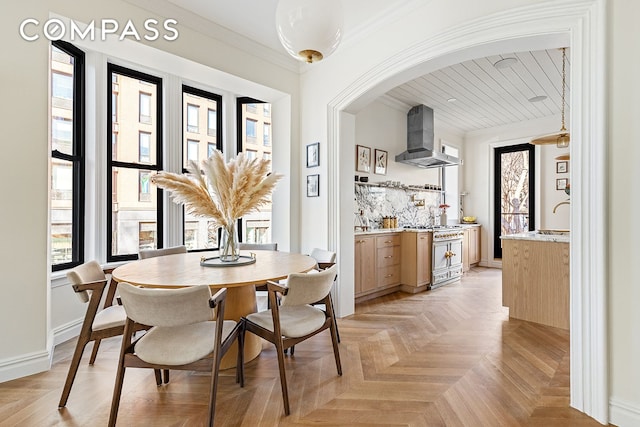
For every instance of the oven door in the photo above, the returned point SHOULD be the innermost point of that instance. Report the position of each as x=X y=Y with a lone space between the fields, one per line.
x=456 y=248
x=440 y=261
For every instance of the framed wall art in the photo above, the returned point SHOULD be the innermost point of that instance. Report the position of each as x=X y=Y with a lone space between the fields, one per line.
x=313 y=185
x=562 y=167
x=380 y=162
x=561 y=183
x=363 y=158
x=313 y=155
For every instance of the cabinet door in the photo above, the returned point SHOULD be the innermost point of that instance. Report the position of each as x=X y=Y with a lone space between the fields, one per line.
x=424 y=258
x=365 y=264
x=466 y=252
x=474 y=245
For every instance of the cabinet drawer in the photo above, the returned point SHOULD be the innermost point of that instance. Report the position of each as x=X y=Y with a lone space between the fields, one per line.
x=388 y=256
x=389 y=275
x=388 y=240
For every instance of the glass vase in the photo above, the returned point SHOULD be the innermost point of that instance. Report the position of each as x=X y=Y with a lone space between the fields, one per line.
x=229 y=247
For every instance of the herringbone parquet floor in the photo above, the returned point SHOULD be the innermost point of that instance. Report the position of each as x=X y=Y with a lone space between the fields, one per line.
x=448 y=357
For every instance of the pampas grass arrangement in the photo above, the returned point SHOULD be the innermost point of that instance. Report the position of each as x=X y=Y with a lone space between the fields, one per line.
x=226 y=192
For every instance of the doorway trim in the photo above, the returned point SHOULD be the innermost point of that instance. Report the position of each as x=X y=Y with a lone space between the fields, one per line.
x=582 y=22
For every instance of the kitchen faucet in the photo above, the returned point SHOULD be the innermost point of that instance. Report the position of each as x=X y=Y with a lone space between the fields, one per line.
x=566 y=202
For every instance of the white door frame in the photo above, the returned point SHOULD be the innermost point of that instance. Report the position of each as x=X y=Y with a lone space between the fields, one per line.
x=579 y=24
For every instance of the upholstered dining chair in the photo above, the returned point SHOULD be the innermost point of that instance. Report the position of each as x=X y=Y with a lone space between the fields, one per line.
x=295 y=319
x=188 y=332
x=150 y=253
x=89 y=282
x=261 y=290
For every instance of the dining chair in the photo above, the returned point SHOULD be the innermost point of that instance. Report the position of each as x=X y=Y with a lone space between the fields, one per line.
x=89 y=281
x=151 y=253
x=187 y=332
x=295 y=319
x=261 y=290
x=325 y=259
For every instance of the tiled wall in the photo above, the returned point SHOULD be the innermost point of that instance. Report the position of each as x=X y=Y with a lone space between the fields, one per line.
x=378 y=202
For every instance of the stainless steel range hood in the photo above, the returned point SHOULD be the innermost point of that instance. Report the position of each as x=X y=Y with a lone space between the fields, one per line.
x=420 y=141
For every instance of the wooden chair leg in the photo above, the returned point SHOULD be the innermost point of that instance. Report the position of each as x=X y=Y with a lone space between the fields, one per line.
x=240 y=359
x=283 y=375
x=117 y=392
x=166 y=376
x=94 y=352
x=336 y=350
x=333 y=316
x=158 y=375
x=73 y=370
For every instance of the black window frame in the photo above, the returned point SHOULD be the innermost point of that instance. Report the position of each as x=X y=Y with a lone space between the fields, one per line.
x=497 y=191
x=111 y=164
x=219 y=142
x=77 y=158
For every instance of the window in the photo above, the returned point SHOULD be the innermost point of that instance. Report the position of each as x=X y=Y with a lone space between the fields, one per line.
x=144 y=142
x=145 y=107
x=211 y=147
x=192 y=150
x=67 y=156
x=250 y=130
x=62 y=85
x=266 y=134
x=192 y=118
x=135 y=217
x=212 y=122
x=199 y=234
x=254 y=139
x=514 y=192
x=144 y=192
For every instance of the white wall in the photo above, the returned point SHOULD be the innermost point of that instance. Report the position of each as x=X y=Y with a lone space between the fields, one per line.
x=381 y=126
x=27 y=297
x=478 y=178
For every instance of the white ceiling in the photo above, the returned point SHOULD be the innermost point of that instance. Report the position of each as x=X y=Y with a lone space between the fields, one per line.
x=485 y=96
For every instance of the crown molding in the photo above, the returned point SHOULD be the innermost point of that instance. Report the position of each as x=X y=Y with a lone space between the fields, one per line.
x=210 y=29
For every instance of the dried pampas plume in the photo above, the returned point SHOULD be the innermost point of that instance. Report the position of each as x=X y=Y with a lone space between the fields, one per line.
x=225 y=192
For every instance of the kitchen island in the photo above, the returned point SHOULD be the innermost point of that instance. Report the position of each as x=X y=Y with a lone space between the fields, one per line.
x=535 y=277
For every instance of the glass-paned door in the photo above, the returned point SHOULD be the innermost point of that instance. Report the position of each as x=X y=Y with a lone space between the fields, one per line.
x=514 y=204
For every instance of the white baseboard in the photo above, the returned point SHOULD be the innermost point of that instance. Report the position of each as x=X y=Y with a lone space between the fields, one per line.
x=623 y=413
x=67 y=331
x=24 y=365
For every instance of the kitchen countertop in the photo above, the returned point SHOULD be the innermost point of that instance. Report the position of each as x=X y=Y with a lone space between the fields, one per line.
x=534 y=235
x=410 y=230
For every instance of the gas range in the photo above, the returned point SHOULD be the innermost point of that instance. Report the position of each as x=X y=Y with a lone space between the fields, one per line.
x=448 y=232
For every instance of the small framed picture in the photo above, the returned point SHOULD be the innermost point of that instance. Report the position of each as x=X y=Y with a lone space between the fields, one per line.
x=562 y=167
x=380 y=162
x=363 y=158
x=313 y=155
x=561 y=183
x=313 y=185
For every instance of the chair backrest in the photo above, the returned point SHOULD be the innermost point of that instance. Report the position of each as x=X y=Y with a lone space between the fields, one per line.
x=258 y=246
x=309 y=288
x=85 y=273
x=166 y=307
x=323 y=256
x=151 y=253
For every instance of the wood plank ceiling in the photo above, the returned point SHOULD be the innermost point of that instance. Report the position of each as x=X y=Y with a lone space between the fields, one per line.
x=486 y=96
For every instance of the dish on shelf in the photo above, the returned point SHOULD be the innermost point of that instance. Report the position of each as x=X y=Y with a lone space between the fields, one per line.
x=469 y=219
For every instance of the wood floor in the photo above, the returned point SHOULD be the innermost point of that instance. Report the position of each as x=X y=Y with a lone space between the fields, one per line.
x=447 y=357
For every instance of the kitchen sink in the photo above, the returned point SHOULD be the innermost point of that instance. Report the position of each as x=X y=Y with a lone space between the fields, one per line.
x=554 y=232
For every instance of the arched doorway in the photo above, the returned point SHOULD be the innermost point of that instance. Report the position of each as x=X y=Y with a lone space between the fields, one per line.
x=536 y=27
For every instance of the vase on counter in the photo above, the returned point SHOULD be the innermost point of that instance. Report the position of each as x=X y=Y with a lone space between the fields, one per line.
x=443 y=218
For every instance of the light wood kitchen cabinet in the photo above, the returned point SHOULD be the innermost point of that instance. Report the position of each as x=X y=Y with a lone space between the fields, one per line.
x=377 y=263
x=365 y=264
x=535 y=281
x=470 y=247
x=416 y=261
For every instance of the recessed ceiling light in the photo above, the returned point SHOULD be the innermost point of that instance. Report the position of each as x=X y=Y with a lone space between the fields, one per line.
x=451 y=100
x=538 y=98
x=505 y=63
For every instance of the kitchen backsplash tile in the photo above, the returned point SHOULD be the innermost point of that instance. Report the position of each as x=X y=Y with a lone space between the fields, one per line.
x=378 y=202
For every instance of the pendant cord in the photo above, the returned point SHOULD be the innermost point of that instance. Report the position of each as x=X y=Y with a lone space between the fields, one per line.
x=563 y=85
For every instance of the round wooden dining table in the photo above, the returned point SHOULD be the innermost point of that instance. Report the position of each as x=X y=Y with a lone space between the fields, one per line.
x=180 y=270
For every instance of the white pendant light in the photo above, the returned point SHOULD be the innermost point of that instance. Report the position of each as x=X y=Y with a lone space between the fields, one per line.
x=309 y=29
